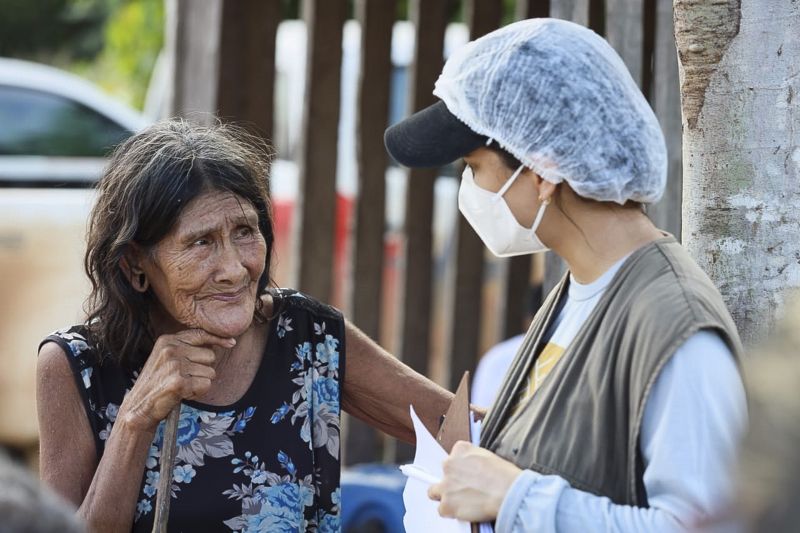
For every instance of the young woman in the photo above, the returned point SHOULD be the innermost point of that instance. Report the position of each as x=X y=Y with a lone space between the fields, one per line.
x=623 y=407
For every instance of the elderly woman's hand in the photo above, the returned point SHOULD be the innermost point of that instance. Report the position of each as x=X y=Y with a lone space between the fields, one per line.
x=180 y=366
x=474 y=485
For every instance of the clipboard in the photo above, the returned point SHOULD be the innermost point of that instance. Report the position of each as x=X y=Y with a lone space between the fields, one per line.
x=456 y=424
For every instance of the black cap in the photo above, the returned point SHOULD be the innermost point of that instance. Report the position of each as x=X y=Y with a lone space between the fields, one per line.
x=432 y=137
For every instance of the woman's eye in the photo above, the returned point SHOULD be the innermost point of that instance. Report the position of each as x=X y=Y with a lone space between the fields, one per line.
x=201 y=242
x=245 y=231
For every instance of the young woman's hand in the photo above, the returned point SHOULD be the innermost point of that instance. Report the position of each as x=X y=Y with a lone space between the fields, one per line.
x=475 y=484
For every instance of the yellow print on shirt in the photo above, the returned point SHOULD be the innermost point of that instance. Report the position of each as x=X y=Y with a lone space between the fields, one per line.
x=550 y=355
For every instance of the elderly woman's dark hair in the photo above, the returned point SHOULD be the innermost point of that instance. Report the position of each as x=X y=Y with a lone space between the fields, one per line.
x=148 y=182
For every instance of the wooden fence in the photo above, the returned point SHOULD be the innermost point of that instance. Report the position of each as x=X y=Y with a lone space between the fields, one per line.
x=224 y=63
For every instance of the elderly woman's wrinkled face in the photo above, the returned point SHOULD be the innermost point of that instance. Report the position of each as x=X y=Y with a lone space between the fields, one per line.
x=205 y=272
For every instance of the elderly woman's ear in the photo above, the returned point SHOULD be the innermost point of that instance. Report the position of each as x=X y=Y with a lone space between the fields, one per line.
x=267 y=306
x=129 y=263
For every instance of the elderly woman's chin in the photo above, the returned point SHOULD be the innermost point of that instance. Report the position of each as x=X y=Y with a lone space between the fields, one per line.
x=225 y=318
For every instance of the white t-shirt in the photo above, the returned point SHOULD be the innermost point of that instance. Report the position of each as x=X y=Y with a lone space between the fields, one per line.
x=493 y=366
x=580 y=302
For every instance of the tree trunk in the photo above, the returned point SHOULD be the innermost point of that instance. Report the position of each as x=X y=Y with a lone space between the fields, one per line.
x=740 y=85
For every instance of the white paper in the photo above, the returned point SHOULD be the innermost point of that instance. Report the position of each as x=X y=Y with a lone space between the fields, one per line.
x=422 y=515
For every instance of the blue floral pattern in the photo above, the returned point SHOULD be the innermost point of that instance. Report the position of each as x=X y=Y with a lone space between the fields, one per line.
x=315 y=403
x=270 y=501
x=201 y=435
x=270 y=461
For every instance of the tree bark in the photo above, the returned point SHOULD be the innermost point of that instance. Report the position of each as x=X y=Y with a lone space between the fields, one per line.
x=740 y=83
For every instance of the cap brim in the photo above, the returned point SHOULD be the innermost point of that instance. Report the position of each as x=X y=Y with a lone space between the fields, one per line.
x=432 y=137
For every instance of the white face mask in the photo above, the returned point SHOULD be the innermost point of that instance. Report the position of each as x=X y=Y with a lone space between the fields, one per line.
x=491 y=218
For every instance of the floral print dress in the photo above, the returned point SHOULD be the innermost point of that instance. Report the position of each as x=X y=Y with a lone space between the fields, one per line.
x=268 y=462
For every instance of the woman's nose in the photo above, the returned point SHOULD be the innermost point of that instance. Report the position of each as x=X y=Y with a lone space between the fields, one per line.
x=230 y=267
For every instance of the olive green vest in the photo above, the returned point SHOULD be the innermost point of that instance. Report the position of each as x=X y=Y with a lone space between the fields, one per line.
x=583 y=423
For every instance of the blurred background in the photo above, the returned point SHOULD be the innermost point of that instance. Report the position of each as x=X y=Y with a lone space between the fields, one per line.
x=321 y=80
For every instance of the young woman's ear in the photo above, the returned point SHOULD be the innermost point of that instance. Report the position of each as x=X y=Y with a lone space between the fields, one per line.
x=547 y=190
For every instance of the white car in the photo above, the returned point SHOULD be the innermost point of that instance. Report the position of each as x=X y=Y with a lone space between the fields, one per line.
x=55 y=131
x=56 y=128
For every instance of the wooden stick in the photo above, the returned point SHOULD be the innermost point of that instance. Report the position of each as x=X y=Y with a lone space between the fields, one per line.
x=168 y=447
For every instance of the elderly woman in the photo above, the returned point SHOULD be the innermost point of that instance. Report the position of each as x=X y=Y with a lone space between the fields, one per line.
x=179 y=253
x=624 y=405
